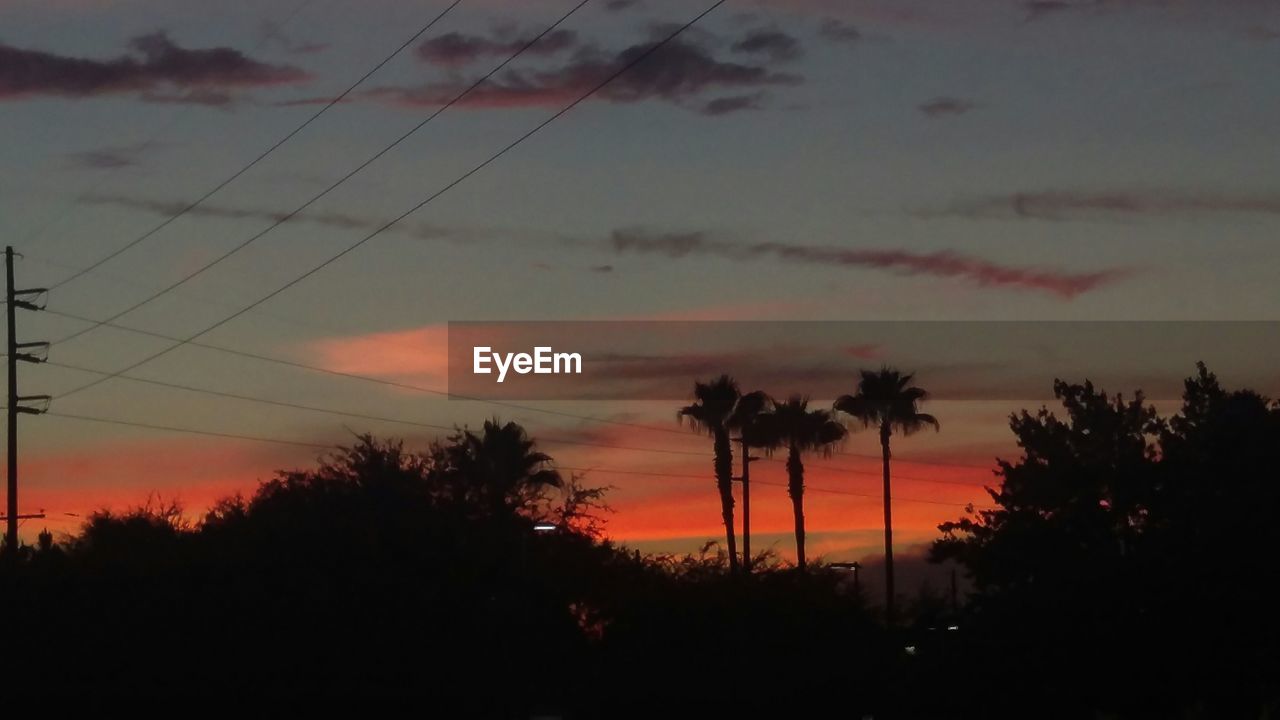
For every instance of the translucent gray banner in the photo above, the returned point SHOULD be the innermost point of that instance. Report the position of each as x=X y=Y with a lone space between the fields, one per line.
x=660 y=360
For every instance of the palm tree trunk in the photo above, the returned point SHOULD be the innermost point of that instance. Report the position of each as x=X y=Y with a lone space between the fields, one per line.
x=795 y=488
x=724 y=483
x=888 y=528
x=746 y=508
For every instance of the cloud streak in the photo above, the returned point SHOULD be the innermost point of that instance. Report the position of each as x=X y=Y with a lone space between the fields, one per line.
x=156 y=67
x=946 y=106
x=946 y=264
x=773 y=45
x=339 y=221
x=683 y=73
x=1066 y=205
x=838 y=31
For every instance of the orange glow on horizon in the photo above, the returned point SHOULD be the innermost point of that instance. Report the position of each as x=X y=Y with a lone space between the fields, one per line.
x=673 y=499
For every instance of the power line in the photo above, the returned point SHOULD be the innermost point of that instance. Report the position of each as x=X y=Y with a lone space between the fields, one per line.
x=340 y=181
x=492 y=158
x=377 y=418
x=237 y=174
x=829 y=491
x=604 y=471
x=189 y=431
x=938 y=463
x=869 y=473
x=364 y=378
x=442 y=393
x=547 y=440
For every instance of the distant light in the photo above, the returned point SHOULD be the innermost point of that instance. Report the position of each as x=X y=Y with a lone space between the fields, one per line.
x=953 y=627
x=545 y=527
x=911 y=649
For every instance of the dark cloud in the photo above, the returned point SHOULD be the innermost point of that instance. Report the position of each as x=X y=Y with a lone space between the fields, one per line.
x=156 y=65
x=457 y=49
x=838 y=31
x=1070 y=205
x=620 y=5
x=104 y=159
x=604 y=269
x=944 y=263
x=733 y=104
x=944 y=106
x=676 y=245
x=201 y=96
x=341 y=221
x=680 y=73
x=772 y=44
x=1041 y=9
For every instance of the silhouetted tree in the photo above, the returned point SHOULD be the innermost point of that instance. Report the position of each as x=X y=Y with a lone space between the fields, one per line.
x=499 y=468
x=887 y=401
x=1135 y=547
x=794 y=426
x=711 y=412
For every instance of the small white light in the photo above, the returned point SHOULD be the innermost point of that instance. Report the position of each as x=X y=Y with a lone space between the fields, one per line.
x=911 y=649
x=545 y=527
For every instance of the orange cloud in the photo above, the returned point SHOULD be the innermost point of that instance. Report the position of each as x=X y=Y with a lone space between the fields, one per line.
x=418 y=354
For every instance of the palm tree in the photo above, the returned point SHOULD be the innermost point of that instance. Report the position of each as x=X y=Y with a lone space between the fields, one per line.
x=711 y=413
x=793 y=425
x=887 y=400
x=501 y=467
x=752 y=432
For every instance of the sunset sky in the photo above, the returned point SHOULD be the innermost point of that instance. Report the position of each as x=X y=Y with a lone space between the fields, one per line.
x=910 y=160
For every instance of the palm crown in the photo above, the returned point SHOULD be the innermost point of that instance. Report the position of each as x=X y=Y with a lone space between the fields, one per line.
x=886 y=399
x=714 y=404
x=791 y=424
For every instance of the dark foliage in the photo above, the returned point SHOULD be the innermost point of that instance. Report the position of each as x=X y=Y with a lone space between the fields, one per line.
x=1128 y=566
x=389 y=575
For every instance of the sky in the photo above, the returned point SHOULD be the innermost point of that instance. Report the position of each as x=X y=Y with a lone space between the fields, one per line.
x=851 y=160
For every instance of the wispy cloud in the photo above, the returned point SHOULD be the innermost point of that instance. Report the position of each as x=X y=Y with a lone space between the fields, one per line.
x=732 y=104
x=772 y=44
x=340 y=221
x=620 y=5
x=273 y=32
x=948 y=264
x=1064 y=205
x=156 y=67
x=458 y=49
x=1037 y=9
x=104 y=158
x=684 y=73
x=838 y=31
x=945 y=106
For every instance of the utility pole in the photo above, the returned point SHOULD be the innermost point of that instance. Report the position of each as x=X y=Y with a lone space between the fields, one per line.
x=746 y=504
x=18 y=352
